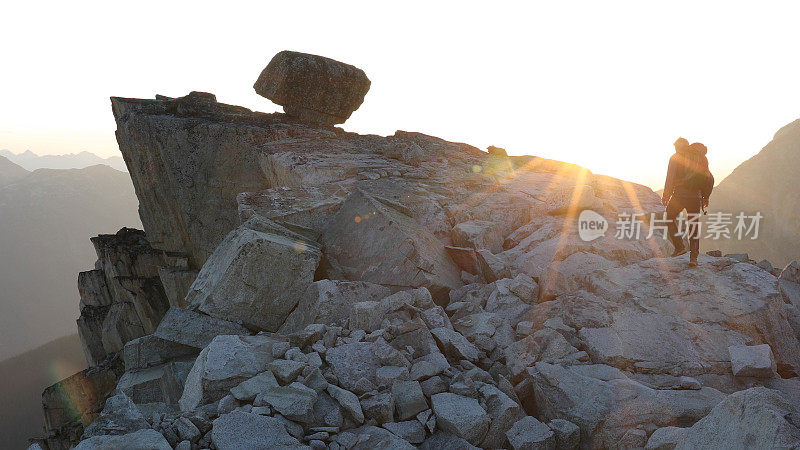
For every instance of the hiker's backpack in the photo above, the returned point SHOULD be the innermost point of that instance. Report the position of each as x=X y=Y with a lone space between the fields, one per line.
x=696 y=175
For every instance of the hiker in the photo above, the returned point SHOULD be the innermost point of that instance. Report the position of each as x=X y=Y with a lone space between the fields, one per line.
x=688 y=187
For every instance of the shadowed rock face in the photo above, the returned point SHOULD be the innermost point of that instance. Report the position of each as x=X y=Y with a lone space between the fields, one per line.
x=339 y=248
x=186 y=180
x=408 y=255
x=122 y=299
x=313 y=88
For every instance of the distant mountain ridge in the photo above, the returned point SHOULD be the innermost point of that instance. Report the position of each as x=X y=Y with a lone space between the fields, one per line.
x=764 y=184
x=10 y=172
x=31 y=161
x=45 y=217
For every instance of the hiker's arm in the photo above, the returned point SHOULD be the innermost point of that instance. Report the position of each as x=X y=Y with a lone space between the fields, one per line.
x=707 y=188
x=669 y=184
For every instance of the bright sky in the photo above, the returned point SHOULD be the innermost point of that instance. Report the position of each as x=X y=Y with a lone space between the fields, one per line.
x=607 y=85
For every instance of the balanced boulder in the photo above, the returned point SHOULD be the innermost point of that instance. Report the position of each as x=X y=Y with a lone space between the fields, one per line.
x=313 y=88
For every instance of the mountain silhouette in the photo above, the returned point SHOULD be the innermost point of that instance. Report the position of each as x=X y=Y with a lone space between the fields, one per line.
x=45 y=217
x=31 y=161
x=763 y=184
x=24 y=378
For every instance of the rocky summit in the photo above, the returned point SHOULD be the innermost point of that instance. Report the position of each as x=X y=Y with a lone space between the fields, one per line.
x=300 y=286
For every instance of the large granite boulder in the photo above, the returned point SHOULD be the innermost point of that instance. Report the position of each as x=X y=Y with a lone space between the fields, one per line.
x=255 y=277
x=752 y=361
x=313 y=88
x=157 y=385
x=789 y=284
x=226 y=362
x=119 y=416
x=356 y=360
x=369 y=241
x=331 y=302
x=606 y=404
x=462 y=416
x=754 y=418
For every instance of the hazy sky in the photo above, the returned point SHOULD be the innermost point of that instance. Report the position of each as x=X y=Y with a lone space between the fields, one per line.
x=608 y=85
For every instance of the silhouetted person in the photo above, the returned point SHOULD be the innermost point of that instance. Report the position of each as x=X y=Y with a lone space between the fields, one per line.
x=688 y=186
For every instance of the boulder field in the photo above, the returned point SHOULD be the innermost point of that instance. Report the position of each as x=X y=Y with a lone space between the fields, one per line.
x=300 y=286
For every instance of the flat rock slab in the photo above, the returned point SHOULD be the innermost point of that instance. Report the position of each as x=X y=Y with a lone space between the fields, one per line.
x=313 y=88
x=754 y=418
x=658 y=317
x=148 y=351
x=240 y=430
x=605 y=404
x=193 y=329
x=309 y=207
x=139 y=440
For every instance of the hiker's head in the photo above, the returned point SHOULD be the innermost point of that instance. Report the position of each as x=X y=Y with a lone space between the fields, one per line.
x=680 y=144
x=699 y=148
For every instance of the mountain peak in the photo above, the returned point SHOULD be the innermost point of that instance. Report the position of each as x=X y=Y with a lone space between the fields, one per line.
x=10 y=172
x=792 y=127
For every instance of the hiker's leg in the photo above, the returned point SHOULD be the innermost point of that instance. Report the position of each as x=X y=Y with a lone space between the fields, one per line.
x=693 y=209
x=674 y=208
